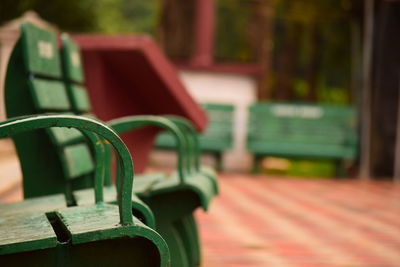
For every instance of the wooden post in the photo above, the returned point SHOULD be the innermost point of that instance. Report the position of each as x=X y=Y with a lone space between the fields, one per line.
x=204 y=33
x=355 y=64
x=365 y=116
x=397 y=147
x=261 y=34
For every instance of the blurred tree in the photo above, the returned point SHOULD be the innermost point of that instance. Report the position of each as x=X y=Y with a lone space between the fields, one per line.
x=386 y=87
x=325 y=26
x=109 y=16
x=68 y=15
x=260 y=37
x=309 y=39
x=176 y=28
x=141 y=16
x=233 y=35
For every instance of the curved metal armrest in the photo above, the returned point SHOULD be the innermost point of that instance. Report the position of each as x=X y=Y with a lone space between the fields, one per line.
x=129 y=123
x=192 y=137
x=86 y=126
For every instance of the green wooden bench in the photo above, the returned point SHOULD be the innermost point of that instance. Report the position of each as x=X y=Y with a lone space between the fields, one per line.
x=189 y=178
x=302 y=131
x=36 y=84
x=218 y=136
x=99 y=234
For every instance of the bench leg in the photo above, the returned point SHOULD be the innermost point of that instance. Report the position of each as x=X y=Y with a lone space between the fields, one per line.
x=340 y=170
x=176 y=245
x=256 y=164
x=218 y=161
x=188 y=232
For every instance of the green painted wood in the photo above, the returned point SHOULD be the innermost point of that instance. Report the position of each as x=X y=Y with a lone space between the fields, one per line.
x=72 y=62
x=16 y=73
x=78 y=160
x=140 y=209
x=218 y=135
x=52 y=148
x=79 y=99
x=86 y=224
x=73 y=75
x=179 y=255
x=193 y=151
x=34 y=205
x=217 y=138
x=25 y=232
x=145 y=188
x=130 y=123
x=188 y=232
x=194 y=185
x=63 y=136
x=168 y=219
x=35 y=149
x=40 y=51
x=82 y=221
x=28 y=123
x=145 y=182
x=49 y=95
x=302 y=130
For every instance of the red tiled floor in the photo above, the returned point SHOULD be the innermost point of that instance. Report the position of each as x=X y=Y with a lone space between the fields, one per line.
x=258 y=221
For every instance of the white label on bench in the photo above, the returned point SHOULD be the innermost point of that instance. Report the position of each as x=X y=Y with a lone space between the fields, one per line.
x=306 y=112
x=76 y=60
x=45 y=49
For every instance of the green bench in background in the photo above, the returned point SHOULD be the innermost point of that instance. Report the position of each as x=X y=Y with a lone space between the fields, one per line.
x=302 y=131
x=218 y=136
x=189 y=188
x=59 y=160
x=44 y=232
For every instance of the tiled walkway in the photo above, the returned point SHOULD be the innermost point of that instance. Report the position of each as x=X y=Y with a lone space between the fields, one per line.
x=259 y=221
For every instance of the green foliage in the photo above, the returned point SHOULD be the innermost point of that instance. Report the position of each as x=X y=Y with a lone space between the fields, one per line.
x=106 y=16
x=332 y=20
x=231 y=38
x=68 y=15
x=141 y=16
x=232 y=34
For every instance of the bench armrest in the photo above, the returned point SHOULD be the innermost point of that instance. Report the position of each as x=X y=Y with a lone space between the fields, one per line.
x=192 y=140
x=86 y=126
x=130 y=123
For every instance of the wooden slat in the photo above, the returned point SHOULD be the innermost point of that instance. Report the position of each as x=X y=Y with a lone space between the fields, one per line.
x=49 y=95
x=78 y=160
x=24 y=232
x=79 y=98
x=41 y=53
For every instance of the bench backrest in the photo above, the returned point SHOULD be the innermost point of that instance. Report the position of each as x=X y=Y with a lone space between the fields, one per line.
x=218 y=135
x=34 y=85
x=282 y=129
x=74 y=76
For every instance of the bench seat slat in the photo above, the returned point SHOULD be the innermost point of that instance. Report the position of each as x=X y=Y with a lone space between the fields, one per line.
x=33 y=205
x=49 y=95
x=19 y=233
x=97 y=218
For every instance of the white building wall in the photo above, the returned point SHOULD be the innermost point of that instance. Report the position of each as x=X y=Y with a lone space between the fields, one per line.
x=239 y=90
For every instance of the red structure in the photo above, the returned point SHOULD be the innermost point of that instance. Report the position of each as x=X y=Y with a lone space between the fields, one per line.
x=204 y=33
x=129 y=75
x=202 y=58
